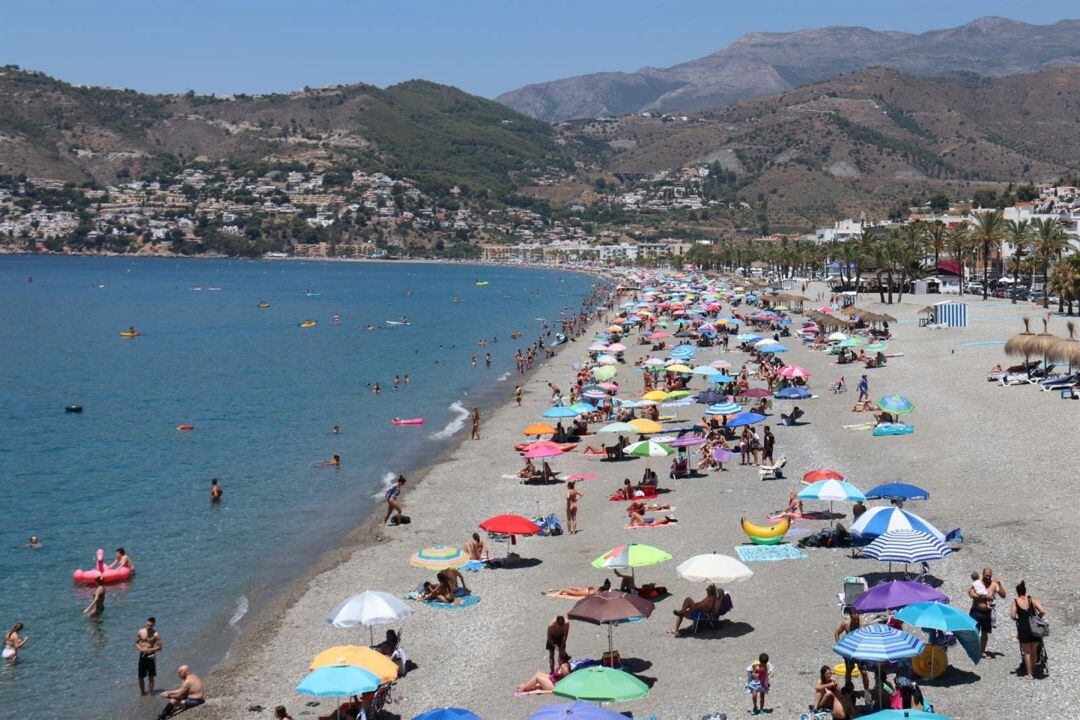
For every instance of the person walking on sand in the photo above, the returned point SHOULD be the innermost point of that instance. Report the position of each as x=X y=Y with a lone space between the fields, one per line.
x=393 y=501
x=558 y=630
x=982 y=592
x=1024 y=607
x=215 y=491
x=475 y=417
x=97 y=600
x=768 y=444
x=863 y=400
x=758 y=675
x=148 y=643
x=572 y=497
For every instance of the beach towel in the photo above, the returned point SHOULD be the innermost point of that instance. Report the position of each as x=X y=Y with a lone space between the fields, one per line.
x=644 y=495
x=722 y=455
x=474 y=566
x=769 y=553
x=467 y=601
x=650 y=525
x=860 y=426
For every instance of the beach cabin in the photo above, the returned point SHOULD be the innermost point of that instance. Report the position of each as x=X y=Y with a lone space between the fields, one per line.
x=945 y=314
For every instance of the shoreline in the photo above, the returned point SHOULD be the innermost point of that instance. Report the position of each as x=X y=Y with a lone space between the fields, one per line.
x=267 y=619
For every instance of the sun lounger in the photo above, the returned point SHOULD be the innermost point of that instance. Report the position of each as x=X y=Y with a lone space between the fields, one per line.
x=853 y=588
x=774 y=471
x=714 y=618
x=1058 y=383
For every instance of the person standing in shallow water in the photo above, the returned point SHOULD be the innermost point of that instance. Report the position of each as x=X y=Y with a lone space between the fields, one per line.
x=215 y=491
x=148 y=643
x=97 y=602
x=475 y=417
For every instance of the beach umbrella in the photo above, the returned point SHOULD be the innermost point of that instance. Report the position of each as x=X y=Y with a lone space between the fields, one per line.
x=879 y=643
x=338 y=681
x=678 y=394
x=604 y=372
x=817 y=475
x=617 y=427
x=720 y=364
x=1021 y=343
x=598 y=347
x=877 y=347
x=944 y=618
x=607 y=360
x=757 y=393
x=648 y=449
x=369 y=608
x=686 y=441
x=897 y=491
x=896 y=404
x=745 y=418
x=447 y=713
x=439 y=557
x=710 y=397
x=832 y=490
x=560 y=411
x=852 y=342
x=544 y=451
x=713 y=568
x=906 y=546
x=655 y=395
x=896 y=594
x=582 y=408
x=902 y=714
x=538 y=429
x=764 y=342
x=885 y=518
x=616 y=347
x=720 y=379
x=631 y=555
x=373 y=661
x=611 y=608
x=773 y=349
x=678 y=368
x=601 y=684
x=747 y=337
x=724 y=408
x=654 y=362
x=657 y=336
x=793 y=393
x=510 y=525
x=793 y=371
x=645 y=427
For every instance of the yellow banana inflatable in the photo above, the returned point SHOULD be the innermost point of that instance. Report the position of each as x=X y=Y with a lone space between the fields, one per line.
x=766 y=534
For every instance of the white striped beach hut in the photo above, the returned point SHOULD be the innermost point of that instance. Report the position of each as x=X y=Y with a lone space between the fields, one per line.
x=950 y=314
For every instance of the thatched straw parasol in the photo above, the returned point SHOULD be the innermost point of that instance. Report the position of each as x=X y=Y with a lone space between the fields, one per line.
x=1021 y=343
x=1066 y=349
x=1044 y=340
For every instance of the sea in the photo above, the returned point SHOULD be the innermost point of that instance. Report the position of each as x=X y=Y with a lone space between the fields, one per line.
x=262 y=395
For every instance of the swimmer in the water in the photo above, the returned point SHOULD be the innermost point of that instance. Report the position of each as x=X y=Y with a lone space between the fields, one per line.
x=215 y=491
x=34 y=542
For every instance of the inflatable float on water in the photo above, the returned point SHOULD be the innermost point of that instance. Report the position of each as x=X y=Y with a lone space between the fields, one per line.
x=308 y=324
x=73 y=409
x=185 y=428
x=129 y=334
x=766 y=534
x=407 y=421
x=89 y=577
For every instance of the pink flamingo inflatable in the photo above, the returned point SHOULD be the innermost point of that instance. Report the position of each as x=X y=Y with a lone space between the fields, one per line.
x=89 y=577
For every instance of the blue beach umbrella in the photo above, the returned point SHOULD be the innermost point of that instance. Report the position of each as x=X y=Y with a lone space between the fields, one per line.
x=338 y=680
x=880 y=520
x=839 y=490
x=709 y=397
x=745 y=418
x=793 y=393
x=447 y=713
x=902 y=714
x=772 y=349
x=719 y=378
x=896 y=404
x=897 y=491
x=945 y=618
x=724 y=408
x=879 y=643
x=747 y=337
x=561 y=412
x=582 y=407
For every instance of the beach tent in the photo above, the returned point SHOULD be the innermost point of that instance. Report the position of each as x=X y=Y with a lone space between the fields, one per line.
x=950 y=314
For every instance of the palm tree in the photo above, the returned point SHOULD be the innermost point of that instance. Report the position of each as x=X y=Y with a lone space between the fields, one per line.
x=989 y=231
x=1049 y=243
x=936 y=234
x=868 y=236
x=959 y=241
x=908 y=255
x=1019 y=232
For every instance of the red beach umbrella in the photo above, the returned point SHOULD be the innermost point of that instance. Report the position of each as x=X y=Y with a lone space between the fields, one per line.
x=818 y=475
x=510 y=525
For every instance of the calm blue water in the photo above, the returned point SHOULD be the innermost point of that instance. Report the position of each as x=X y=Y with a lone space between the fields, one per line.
x=262 y=394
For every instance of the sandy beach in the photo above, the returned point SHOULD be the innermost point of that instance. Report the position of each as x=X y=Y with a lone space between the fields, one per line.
x=999 y=463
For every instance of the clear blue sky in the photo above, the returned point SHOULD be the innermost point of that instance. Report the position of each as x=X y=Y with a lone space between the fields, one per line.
x=483 y=46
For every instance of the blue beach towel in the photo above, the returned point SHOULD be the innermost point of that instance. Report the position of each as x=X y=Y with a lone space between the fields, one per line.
x=474 y=566
x=769 y=553
x=467 y=601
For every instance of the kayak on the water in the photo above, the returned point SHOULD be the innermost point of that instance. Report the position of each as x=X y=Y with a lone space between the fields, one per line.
x=309 y=323
x=407 y=421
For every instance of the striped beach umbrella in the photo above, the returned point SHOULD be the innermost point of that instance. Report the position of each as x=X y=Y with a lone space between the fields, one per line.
x=879 y=643
x=883 y=519
x=832 y=490
x=649 y=448
x=906 y=546
x=439 y=557
x=724 y=408
x=631 y=555
x=896 y=404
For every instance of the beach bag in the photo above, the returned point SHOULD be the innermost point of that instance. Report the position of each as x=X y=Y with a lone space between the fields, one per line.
x=551 y=526
x=1038 y=626
x=726 y=605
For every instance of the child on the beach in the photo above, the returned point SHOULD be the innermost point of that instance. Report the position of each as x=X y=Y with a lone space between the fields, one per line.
x=758 y=675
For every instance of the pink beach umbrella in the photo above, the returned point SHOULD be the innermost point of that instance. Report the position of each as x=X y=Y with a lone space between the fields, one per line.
x=545 y=451
x=793 y=371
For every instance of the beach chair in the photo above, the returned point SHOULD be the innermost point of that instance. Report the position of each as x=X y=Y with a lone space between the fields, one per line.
x=383 y=697
x=853 y=588
x=774 y=471
x=1061 y=382
x=714 y=618
x=838 y=386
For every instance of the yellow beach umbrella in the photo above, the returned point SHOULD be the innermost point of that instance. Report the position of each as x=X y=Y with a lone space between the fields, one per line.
x=655 y=396
x=678 y=369
x=538 y=429
x=373 y=661
x=645 y=426
x=615 y=328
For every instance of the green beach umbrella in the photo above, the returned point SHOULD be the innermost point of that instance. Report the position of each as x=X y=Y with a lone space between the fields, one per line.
x=877 y=347
x=649 y=448
x=678 y=394
x=852 y=342
x=617 y=427
x=896 y=404
x=631 y=555
x=601 y=684
x=604 y=372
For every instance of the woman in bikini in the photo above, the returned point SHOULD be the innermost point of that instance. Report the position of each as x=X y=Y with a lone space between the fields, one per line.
x=572 y=497
x=794 y=509
x=12 y=642
x=543 y=682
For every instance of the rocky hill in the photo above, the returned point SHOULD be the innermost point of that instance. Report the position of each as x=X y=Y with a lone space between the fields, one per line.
x=438 y=135
x=865 y=139
x=759 y=64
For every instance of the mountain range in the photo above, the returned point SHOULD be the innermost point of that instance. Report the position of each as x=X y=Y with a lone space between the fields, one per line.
x=759 y=64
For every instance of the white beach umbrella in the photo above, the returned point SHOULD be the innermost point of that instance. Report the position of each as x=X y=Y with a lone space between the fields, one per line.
x=653 y=362
x=837 y=337
x=713 y=568
x=369 y=608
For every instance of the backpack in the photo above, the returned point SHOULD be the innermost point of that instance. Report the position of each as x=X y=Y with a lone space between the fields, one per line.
x=550 y=526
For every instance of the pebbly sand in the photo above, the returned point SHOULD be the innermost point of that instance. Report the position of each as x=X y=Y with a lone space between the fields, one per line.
x=1000 y=463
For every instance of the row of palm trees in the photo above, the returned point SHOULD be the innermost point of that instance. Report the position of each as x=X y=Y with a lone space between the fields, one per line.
x=901 y=254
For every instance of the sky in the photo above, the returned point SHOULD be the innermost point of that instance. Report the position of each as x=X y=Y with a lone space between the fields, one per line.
x=482 y=46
